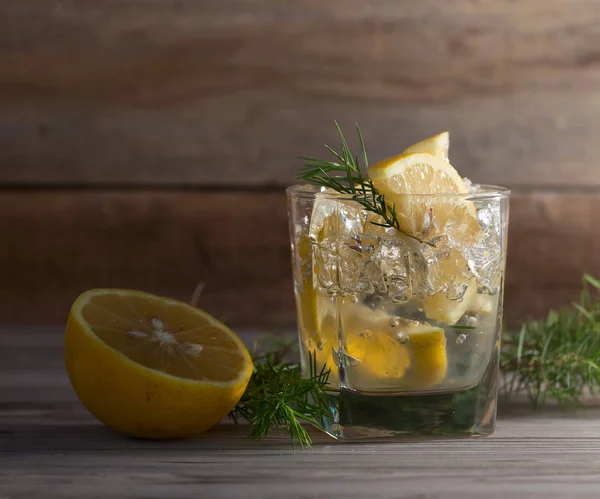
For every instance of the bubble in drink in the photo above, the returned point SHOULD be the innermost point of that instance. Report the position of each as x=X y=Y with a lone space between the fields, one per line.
x=471 y=320
x=402 y=338
x=461 y=338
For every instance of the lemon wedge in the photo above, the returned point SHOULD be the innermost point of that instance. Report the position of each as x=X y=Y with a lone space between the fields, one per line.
x=372 y=347
x=316 y=312
x=437 y=145
x=426 y=192
x=430 y=360
x=377 y=356
x=421 y=187
x=410 y=355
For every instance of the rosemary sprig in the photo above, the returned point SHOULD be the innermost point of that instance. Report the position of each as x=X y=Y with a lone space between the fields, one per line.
x=278 y=397
x=344 y=175
x=557 y=357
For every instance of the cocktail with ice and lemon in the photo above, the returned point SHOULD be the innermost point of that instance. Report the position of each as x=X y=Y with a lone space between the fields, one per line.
x=406 y=317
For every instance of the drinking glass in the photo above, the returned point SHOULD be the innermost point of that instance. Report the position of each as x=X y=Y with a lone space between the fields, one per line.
x=407 y=322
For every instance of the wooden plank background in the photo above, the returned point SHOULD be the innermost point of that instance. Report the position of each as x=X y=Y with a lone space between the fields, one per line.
x=146 y=143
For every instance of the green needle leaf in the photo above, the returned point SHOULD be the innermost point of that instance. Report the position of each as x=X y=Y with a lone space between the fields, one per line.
x=279 y=398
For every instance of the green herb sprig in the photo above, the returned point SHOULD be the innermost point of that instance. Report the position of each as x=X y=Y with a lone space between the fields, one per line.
x=557 y=357
x=278 y=397
x=344 y=175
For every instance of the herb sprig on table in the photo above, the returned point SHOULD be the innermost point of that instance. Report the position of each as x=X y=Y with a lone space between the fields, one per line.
x=344 y=175
x=279 y=398
x=558 y=357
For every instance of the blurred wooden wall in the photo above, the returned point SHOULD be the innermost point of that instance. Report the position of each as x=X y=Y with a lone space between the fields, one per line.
x=146 y=143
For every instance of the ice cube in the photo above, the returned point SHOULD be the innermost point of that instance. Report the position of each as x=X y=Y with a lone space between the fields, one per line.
x=335 y=232
x=485 y=257
x=370 y=280
x=397 y=266
x=486 y=218
x=325 y=268
x=447 y=269
x=457 y=289
x=336 y=218
x=352 y=260
x=471 y=187
x=392 y=256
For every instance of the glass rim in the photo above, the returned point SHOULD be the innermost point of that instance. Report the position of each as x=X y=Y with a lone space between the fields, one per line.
x=484 y=191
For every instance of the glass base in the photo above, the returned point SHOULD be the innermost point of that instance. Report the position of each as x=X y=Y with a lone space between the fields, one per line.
x=360 y=416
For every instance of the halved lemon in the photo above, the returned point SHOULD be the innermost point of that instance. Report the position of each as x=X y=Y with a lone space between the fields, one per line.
x=427 y=194
x=150 y=366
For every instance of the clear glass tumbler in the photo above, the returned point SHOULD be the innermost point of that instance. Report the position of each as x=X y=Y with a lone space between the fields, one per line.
x=408 y=323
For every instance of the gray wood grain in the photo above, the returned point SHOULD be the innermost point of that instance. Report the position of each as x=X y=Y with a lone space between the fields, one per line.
x=50 y=447
x=221 y=93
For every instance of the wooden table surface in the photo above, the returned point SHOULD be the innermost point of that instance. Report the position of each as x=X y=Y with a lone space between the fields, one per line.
x=51 y=447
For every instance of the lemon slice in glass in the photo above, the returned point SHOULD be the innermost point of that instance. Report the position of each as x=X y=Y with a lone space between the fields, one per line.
x=407 y=354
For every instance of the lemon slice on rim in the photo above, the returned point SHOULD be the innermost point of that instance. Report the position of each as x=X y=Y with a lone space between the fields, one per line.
x=437 y=145
x=426 y=193
x=150 y=366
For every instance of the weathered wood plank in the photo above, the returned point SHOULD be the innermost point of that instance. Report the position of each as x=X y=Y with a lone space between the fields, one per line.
x=223 y=464
x=59 y=243
x=215 y=93
x=54 y=448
